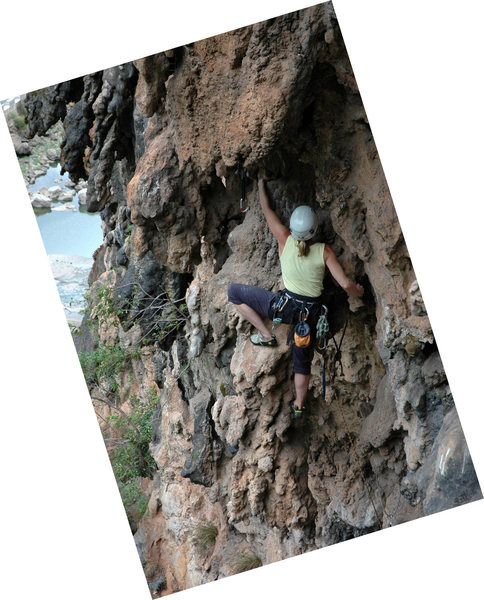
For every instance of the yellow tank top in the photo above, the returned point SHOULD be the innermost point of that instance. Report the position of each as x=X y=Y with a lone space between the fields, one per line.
x=303 y=274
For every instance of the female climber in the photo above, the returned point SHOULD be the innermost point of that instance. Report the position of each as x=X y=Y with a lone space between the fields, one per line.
x=302 y=264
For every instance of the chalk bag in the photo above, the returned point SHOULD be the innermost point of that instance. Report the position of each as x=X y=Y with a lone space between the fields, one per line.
x=302 y=334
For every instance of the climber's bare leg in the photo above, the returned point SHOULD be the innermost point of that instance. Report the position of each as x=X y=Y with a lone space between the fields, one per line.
x=254 y=317
x=301 y=382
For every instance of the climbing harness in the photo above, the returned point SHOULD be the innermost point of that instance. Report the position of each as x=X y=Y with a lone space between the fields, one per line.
x=300 y=334
x=243 y=193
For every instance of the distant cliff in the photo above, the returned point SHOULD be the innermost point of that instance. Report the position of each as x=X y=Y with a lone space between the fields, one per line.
x=234 y=482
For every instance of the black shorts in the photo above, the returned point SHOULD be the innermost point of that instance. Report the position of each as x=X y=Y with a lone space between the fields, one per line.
x=262 y=302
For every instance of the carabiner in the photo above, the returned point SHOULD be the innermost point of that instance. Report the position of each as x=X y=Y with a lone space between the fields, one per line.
x=304 y=314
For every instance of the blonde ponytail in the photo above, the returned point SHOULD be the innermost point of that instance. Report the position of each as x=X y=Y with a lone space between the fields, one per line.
x=303 y=248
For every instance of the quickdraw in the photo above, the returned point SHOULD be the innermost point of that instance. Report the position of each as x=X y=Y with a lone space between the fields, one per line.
x=322 y=330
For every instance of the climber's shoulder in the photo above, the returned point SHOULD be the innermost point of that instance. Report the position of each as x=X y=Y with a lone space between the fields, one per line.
x=281 y=238
x=278 y=230
x=328 y=253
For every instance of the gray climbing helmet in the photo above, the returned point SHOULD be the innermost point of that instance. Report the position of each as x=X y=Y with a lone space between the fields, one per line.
x=303 y=223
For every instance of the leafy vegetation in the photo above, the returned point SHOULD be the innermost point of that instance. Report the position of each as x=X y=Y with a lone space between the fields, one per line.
x=18 y=120
x=18 y=114
x=130 y=456
x=134 y=500
x=128 y=429
x=102 y=367
x=102 y=305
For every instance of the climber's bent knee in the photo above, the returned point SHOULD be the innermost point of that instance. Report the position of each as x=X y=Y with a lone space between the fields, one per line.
x=257 y=298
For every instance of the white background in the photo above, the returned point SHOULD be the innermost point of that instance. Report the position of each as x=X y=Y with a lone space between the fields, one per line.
x=419 y=69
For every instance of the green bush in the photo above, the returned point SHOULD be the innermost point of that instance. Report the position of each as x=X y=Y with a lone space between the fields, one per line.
x=130 y=430
x=18 y=121
x=131 y=457
x=20 y=108
x=101 y=299
x=103 y=365
x=134 y=501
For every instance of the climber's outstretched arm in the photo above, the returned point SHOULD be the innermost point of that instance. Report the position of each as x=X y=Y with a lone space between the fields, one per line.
x=279 y=231
x=336 y=270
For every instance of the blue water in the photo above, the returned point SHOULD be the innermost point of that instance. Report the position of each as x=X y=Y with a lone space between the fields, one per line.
x=49 y=179
x=67 y=232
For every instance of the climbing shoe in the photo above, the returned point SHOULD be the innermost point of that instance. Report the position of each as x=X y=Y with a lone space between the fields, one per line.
x=296 y=412
x=258 y=340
